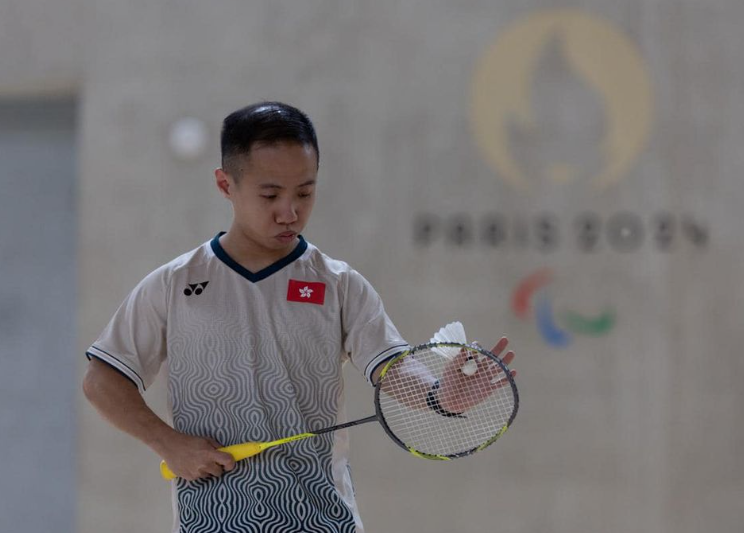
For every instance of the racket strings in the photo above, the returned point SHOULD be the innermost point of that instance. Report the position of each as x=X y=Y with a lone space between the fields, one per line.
x=405 y=401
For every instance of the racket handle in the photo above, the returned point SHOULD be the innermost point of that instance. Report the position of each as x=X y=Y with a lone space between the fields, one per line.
x=166 y=472
x=238 y=452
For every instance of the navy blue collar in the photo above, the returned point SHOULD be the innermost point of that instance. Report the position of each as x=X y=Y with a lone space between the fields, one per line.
x=264 y=273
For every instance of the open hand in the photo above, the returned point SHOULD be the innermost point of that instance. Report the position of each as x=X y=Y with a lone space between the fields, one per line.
x=459 y=392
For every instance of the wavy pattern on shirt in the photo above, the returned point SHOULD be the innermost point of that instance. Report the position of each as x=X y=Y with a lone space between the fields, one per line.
x=235 y=383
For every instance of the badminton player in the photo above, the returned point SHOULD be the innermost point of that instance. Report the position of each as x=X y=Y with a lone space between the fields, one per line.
x=255 y=325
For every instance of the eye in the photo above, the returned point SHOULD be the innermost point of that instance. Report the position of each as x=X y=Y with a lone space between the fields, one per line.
x=305 y=194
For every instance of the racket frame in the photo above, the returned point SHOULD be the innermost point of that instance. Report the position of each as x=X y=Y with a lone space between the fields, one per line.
x=412 y=352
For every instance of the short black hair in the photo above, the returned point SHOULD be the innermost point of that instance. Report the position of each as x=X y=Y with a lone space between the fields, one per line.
x=264 y=123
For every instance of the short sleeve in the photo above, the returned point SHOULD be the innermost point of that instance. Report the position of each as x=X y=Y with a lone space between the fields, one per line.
x=369 y=336
x=134 y=342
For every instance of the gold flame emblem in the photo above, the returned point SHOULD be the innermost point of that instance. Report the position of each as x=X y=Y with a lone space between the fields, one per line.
x=561 y=95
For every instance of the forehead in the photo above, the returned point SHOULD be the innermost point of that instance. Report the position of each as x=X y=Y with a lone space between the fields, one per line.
x=280 y=161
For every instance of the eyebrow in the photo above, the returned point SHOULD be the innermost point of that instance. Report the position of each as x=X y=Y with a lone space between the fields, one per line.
x=275 y=186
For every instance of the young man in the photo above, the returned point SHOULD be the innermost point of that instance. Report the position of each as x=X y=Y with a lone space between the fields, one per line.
x=256 y=325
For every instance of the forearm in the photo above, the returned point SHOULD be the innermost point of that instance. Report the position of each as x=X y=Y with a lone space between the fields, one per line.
x=408 y=382
x=120 y=403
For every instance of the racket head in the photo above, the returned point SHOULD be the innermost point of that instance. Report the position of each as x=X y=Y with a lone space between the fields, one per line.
x=405 y=410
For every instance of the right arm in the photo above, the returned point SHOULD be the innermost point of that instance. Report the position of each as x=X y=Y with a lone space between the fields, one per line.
x=117 y=399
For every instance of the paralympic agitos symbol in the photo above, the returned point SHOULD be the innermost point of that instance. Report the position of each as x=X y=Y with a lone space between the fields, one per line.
x=531 y=299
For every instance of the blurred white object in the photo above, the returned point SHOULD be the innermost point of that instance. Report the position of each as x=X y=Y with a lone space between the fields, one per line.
x=188 y=138
x=469 y=368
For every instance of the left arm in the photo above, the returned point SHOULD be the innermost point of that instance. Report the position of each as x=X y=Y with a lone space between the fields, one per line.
x=457 y=392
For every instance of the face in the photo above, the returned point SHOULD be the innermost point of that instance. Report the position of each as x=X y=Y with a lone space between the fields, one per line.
x=274 y=195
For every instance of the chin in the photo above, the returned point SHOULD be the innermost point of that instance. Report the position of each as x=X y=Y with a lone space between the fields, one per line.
x=275 y=244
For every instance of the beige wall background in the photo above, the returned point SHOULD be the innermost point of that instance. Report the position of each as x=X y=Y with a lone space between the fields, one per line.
x=637 y=429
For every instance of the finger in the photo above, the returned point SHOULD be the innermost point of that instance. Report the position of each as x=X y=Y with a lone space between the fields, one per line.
x=212 y=469
x=500 y=346
x=492 y=369
x=216 y=445
x=481 y=355
x=503 y=381
x=494 y=372
x=478 y=356
x=225 y=460
x=486 y=364
x=508 y=358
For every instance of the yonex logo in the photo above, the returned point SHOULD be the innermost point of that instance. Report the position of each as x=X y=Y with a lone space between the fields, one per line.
x=195 y=288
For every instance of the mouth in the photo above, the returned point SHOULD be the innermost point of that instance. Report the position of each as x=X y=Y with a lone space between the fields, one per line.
x=286 y=236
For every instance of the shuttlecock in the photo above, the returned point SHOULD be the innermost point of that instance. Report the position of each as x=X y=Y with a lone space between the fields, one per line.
x=469 y=368
x=452 y=332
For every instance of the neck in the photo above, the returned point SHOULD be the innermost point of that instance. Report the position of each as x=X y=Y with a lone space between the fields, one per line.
x=250 y=254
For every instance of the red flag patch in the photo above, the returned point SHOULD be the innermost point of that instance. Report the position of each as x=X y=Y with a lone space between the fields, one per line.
x=311 y=292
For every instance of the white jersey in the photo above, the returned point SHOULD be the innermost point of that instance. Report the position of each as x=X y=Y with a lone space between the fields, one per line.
x=256 y=357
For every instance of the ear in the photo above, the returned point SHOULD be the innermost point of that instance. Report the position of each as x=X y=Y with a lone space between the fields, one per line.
x=224 y=182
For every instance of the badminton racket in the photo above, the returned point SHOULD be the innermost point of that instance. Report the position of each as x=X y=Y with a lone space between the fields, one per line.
x=437 y=401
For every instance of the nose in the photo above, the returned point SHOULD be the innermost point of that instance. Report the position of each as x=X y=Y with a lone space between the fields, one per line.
x=287 y=214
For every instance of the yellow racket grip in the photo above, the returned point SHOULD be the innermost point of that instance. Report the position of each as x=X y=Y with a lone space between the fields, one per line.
x=245 y=449
x=238 y=452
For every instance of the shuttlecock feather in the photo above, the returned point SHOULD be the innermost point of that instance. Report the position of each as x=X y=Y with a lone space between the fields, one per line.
x=452 y=332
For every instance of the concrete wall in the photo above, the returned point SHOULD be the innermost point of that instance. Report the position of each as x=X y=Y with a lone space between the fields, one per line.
x=620 y=113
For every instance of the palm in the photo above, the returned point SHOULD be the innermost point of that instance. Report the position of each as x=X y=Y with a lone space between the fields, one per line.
x=459 y=392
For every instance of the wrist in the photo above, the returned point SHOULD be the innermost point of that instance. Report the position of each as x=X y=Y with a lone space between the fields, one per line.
x=432 y=402
x=161 y=437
